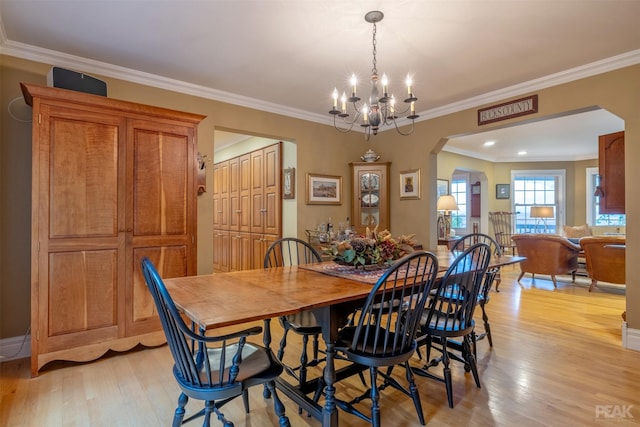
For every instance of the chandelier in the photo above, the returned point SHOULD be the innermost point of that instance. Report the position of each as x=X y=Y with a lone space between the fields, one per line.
x=381 y=110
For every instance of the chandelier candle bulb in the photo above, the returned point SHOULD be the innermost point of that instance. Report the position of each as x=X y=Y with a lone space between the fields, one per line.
x=344 y=103
x=335 y=98
x=353 y=85
x=385 y=85
x=409 y=83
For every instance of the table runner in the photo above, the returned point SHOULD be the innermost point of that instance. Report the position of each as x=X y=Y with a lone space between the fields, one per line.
x=332 y=268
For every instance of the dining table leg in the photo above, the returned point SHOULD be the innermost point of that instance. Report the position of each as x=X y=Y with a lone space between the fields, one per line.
x=266 y=340
x=330 y=411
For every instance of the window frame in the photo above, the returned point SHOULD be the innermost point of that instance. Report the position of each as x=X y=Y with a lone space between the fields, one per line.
x=560 y=195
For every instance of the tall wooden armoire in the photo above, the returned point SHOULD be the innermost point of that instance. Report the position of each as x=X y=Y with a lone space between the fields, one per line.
x=112 y=182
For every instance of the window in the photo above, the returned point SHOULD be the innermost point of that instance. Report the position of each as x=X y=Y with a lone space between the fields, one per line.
x=459 y=191
x=543 y=188
x=594 y=217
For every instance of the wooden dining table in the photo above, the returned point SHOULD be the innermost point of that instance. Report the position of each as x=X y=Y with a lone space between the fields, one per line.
x=225 y=299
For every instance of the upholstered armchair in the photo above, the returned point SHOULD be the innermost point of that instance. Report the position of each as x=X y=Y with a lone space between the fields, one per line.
x=547 y=254
x=605 y=257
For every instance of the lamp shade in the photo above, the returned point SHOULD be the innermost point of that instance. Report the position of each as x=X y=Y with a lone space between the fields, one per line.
x=541 y=212
x=447 y=203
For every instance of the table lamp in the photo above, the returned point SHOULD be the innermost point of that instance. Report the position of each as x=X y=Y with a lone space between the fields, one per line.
x=541 y=213
x=446 y=203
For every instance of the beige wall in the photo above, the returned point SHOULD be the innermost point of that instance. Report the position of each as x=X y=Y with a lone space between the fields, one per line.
x=320 y=149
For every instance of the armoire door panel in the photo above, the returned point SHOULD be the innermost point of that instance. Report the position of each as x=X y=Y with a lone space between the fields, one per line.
x=83 y=177
x=170 y=261
x=86 y=281
x=161 y=172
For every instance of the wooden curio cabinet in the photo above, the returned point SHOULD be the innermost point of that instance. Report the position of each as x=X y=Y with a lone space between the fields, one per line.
x=370 y=196
x=112 y=182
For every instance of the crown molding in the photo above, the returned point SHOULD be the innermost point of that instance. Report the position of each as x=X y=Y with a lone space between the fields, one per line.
x=594 y=68
x=34 y=53
x=89 y=66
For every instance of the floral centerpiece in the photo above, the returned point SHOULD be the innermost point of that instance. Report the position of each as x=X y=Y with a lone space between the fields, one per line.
x=373 y=248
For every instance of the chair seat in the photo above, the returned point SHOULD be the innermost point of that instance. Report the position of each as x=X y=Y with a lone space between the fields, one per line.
x=370 y=348
x=443 y=325
x=255 y=361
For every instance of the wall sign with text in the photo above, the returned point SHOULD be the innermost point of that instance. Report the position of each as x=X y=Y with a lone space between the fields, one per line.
x=508 y=110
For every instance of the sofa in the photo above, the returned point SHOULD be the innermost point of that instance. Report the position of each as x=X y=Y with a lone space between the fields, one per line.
x=547 y=254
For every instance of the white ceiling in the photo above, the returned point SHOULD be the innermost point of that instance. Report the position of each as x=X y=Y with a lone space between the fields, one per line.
x=286 y=56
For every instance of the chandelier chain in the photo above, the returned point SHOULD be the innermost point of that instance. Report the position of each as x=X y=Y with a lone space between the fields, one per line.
x=374 y=70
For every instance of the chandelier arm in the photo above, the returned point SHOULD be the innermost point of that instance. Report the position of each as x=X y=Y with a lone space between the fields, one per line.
x=398 y=112
x=347 y=122
x=400 y=132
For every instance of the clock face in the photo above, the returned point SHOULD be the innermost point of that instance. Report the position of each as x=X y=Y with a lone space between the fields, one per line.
x=475 y=189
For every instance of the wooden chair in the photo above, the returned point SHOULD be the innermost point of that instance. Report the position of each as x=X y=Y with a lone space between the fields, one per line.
x=215 y=369
x=492 y=275
x=292 y=251
x=383 y=335
x=504 y=227
x=547 y=254
x=605 y=258
x=449 y=315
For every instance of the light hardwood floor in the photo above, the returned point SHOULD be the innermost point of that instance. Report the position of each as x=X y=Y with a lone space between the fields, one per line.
x=557 y=360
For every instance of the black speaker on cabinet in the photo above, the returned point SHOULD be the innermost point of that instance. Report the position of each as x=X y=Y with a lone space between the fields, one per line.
x=72 y=80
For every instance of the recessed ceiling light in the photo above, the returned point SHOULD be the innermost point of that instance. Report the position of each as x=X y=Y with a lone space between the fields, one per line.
x=489 y=143
x=522 y=153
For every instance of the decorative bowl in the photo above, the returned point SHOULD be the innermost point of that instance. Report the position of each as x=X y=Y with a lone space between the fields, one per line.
x=369 y=156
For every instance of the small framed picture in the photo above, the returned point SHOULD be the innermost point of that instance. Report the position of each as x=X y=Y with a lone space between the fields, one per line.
x=410 y=184
x=442 y=187
x=502 y=191
x=289 y=183
x=324 y=189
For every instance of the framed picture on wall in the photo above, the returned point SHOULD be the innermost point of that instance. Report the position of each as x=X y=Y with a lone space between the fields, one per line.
x=324 y=189
x=502 y=191
x=410 y=184
x=442 y=187
x=289 y=183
